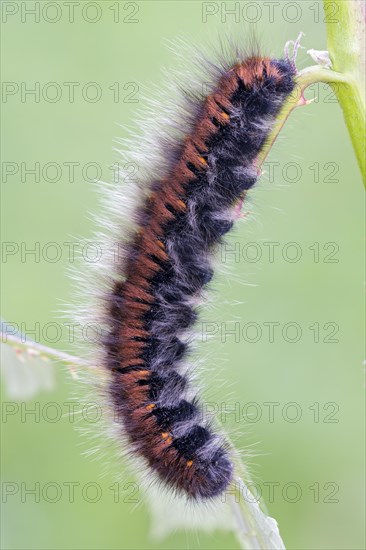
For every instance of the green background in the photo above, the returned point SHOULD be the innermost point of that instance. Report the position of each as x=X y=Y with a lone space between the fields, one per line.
x=306 y=292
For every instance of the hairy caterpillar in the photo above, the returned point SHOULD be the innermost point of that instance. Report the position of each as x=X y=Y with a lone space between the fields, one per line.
x=150 y=302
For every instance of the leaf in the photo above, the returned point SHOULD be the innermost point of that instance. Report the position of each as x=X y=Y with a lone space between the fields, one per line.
x=237 y=511
x=254 y=528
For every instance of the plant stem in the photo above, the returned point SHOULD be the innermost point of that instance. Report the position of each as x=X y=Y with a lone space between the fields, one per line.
x=305 y=78
x=345 y=23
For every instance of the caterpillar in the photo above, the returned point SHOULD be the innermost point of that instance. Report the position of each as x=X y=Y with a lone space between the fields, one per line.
x=151 y=302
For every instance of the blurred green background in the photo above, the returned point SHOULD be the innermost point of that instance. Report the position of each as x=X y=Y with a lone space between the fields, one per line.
x=317 y=198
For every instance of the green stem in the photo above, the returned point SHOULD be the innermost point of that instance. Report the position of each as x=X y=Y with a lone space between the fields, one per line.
x=345 y=22
x=305 y=78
